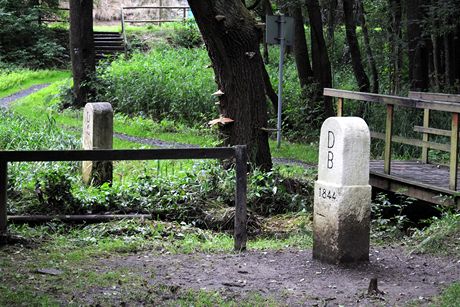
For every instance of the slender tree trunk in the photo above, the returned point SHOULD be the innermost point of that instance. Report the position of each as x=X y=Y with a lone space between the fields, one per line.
x=436 y=58
x=367 y=45
x=320 y=58
x=396 y=45
x=233 y=46
x=82 y=49
x=418 y=49
x=456 y=52
x=356 y=59
x=267 y=10
x=331 y=16
x=302 y=58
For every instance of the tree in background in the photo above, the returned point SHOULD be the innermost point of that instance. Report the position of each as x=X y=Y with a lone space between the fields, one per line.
x=82 y=49
x=232 y=40
x=24 y=41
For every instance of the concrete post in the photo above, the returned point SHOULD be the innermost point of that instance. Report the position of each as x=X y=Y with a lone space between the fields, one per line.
x=97 y=134
x=341 y=220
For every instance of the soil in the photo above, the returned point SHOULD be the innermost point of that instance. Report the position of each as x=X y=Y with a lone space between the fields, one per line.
x=291 y=277
x=6 y=101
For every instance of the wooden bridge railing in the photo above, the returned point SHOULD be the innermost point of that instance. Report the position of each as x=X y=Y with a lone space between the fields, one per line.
x=423 y=101
x=237 y=152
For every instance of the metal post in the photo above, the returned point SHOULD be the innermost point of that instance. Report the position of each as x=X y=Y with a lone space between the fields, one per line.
x=240 y=231
x=3 y=198
x=282 y=40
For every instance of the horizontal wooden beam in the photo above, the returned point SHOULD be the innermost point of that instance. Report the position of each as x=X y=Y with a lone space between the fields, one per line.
x=434 y=131
x=394 y=100
x=412 y=142
x=435 y=96
x=118 y=155
x=156 y=7
x=153 y=20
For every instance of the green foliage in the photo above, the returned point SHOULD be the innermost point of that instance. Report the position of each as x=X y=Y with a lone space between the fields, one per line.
x=440 y=237
x=25 y=42
x=388 y=219
x=165 y=83
x=187 y=35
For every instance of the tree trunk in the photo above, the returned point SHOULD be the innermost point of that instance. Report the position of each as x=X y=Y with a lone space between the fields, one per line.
x=356 y=60
x=456 y=58
x=233 y=46
x=320 y=58
x=302 y=58
x=418 y=49
x=82 y=49
x=367 y=45
x=396 y=45
x=267 y=10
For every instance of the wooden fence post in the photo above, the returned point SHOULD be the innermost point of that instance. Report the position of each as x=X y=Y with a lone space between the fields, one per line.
x=3 y=199
x=453 y=153
x=339 y=107
x=426 y=136
x=240 y=231
x=388 y=139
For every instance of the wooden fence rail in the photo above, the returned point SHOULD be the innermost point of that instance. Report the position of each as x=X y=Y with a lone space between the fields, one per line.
x=422 y=101
x=237 y=152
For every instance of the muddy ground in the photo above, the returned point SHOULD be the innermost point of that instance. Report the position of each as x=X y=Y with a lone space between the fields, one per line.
x=291 y=277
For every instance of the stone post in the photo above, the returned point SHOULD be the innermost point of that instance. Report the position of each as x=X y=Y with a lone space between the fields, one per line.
x=97 y=134
x=341 y=214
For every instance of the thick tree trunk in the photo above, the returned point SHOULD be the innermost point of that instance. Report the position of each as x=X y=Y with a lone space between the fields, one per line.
x=320 y=58
x=232 y=40
x=82 y=49
x=356 y=59
x=418 y=49
x=367 y=45
x=301 y=56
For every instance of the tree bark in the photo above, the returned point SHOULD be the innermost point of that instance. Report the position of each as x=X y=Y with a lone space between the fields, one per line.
x=302 y=58
x=233 y=46
x=417 y=47
x=396 y=45
x=320 y=58
x=367 y=46
x=356 y=59
x=82 y=49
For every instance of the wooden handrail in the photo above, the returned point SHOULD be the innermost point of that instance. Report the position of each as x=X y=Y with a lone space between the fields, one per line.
x=237 y=152
x=394 y=100
x=425 y=101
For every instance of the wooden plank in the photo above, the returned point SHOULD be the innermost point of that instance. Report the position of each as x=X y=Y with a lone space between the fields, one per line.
x=412 y=142
x=435 y=96
x=388 y=139
x=118 y=155
x=395 y=100
x=339 y=107
x=426 y=136
x=156 y=7
x=240 y=232
x=433 y=131
x=153 y=20
x=453 y=153
x=76 y=218
x=3 y=199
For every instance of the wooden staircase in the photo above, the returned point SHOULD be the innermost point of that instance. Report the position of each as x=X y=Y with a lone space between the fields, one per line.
x=108 y=44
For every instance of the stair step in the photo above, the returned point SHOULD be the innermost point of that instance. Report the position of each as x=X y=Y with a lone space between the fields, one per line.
x=105 y=33
x=108 y=43
x=109 y=48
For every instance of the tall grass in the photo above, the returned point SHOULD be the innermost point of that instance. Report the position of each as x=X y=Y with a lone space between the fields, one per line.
x=165 y=83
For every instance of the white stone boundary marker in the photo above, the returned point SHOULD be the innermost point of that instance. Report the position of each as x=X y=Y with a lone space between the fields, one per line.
x=341 y=214
x=97 y=134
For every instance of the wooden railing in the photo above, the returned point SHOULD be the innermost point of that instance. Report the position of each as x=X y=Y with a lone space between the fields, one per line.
x=423 y=101
x=237 y=152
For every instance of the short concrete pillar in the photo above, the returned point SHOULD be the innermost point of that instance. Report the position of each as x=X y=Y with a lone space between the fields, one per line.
x=97 y=134
x=341 y=214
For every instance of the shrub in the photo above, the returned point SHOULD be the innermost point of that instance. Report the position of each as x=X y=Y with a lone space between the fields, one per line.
x=187 y=35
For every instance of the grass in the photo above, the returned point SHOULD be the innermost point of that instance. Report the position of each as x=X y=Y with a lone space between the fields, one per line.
x=17 y=80
x=42 y=104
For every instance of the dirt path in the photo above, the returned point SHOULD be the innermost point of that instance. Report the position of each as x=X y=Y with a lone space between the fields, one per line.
x=293 y=278
x=6 y=101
